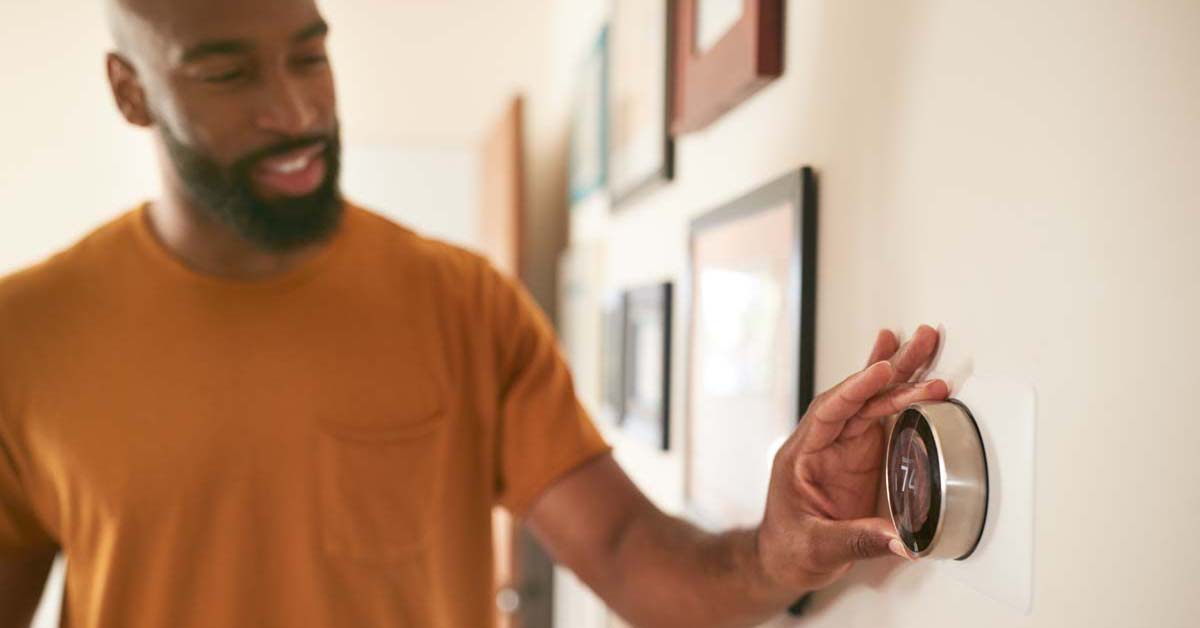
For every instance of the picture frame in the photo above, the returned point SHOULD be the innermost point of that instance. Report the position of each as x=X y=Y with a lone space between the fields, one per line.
x=647 y=373
x=725 y=52
x=588 y=161
x=612 y=359
x=641 y=52
x=751 y=303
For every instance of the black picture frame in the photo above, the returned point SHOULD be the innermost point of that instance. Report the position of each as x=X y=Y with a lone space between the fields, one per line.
x=646 y=376
x=797 y=190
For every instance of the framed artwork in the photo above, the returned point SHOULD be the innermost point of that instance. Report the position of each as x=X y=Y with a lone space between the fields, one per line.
x=612 y=360
x=588 y=170
x=750 y=299
x=503 y=189
x=642 y=154
x=725 y=51
x=647 y=377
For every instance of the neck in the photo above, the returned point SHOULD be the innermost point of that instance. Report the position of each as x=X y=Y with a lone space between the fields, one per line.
x=213 y=248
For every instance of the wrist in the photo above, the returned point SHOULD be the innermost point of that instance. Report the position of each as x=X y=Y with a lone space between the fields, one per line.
x=768 y=580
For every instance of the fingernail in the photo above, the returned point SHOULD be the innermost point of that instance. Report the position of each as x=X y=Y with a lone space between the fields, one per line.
x=897 y=548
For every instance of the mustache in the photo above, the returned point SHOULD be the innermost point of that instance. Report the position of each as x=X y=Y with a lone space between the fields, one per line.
x=286 y=146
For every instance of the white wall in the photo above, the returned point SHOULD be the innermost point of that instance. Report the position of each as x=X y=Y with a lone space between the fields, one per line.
x=432 y=188
x=1024 y=173
x=69 y=162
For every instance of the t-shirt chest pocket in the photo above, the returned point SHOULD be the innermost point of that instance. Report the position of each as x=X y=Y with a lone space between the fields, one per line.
x=376 y=483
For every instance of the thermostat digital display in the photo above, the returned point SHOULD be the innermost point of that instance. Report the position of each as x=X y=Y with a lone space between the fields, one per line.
x=937 y=484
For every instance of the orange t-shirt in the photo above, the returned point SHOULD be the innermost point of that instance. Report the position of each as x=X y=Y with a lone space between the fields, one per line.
x=320 y=449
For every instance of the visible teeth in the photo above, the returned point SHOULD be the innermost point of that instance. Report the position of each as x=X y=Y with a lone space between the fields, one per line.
x=289 y=167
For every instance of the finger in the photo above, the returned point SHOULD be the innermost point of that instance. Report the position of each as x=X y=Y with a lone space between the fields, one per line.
x=897 y=398
x=838 y=543
x=844 y=400
x=828 y=413
x=885 y=347
x=858 y=426
x=915 y=354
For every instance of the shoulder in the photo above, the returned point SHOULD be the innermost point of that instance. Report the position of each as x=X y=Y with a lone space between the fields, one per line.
x=63 y=280
x=451 y=269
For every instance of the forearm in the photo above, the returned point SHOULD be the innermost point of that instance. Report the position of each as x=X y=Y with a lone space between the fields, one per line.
x=667 y=573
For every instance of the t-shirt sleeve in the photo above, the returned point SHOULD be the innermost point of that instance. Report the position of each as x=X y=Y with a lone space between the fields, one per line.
x=20 y=531
x=543 y=431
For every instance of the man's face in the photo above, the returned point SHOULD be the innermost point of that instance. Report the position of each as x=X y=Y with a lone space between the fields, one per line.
x=242 y=95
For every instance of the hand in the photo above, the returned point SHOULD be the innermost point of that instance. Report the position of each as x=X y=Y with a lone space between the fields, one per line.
x=824 y=484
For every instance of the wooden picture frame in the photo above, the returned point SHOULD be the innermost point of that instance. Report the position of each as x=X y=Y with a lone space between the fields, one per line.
x=641 y=87
x=717 y=67
x=751 y=306
x=647 y=373
x=588 y=169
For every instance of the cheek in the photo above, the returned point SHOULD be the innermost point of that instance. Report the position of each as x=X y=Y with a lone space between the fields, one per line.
x=325 y=97
x=219 y=131
x=219 y=124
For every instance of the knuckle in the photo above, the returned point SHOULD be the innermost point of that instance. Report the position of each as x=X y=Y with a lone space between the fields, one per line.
x=783 y=457
x=861 y=545
x=799 y=475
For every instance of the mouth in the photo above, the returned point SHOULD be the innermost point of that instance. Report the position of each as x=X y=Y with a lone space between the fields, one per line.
x=294 y=173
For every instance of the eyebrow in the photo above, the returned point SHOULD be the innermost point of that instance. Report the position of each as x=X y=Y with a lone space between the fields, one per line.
x=241 y=46
x=316 y=29
x=213 y=48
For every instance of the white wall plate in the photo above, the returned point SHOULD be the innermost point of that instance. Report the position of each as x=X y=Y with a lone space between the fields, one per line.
x=1002 y=565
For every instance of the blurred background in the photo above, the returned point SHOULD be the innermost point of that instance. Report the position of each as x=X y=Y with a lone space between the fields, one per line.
x=1023 y=173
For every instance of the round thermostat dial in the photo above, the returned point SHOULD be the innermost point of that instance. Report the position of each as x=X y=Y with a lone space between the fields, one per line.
x=937 y=483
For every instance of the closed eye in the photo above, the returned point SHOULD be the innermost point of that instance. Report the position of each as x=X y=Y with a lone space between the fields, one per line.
x=225 y=77
x=309 y=61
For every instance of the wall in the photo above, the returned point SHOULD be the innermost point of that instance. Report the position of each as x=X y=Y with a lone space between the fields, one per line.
x=1025 y=174
x=69 y=162
x=430 y=187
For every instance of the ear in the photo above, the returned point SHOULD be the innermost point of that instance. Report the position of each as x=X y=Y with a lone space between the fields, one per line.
x=127 y=90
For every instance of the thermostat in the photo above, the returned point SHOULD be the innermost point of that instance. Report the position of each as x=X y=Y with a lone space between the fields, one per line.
x=937 y=482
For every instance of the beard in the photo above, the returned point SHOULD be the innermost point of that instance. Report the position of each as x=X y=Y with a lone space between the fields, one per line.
x=228 y=195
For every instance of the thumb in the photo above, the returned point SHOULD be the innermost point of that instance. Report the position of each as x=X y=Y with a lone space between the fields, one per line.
x=837 y=543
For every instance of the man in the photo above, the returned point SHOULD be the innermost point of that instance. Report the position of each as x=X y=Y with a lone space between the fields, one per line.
x=250 y=403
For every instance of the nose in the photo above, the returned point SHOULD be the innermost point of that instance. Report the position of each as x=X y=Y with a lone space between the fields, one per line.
x=286 y=109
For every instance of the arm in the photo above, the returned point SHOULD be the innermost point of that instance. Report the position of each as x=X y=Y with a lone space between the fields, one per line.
x=657 y=570
x=22 y=579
